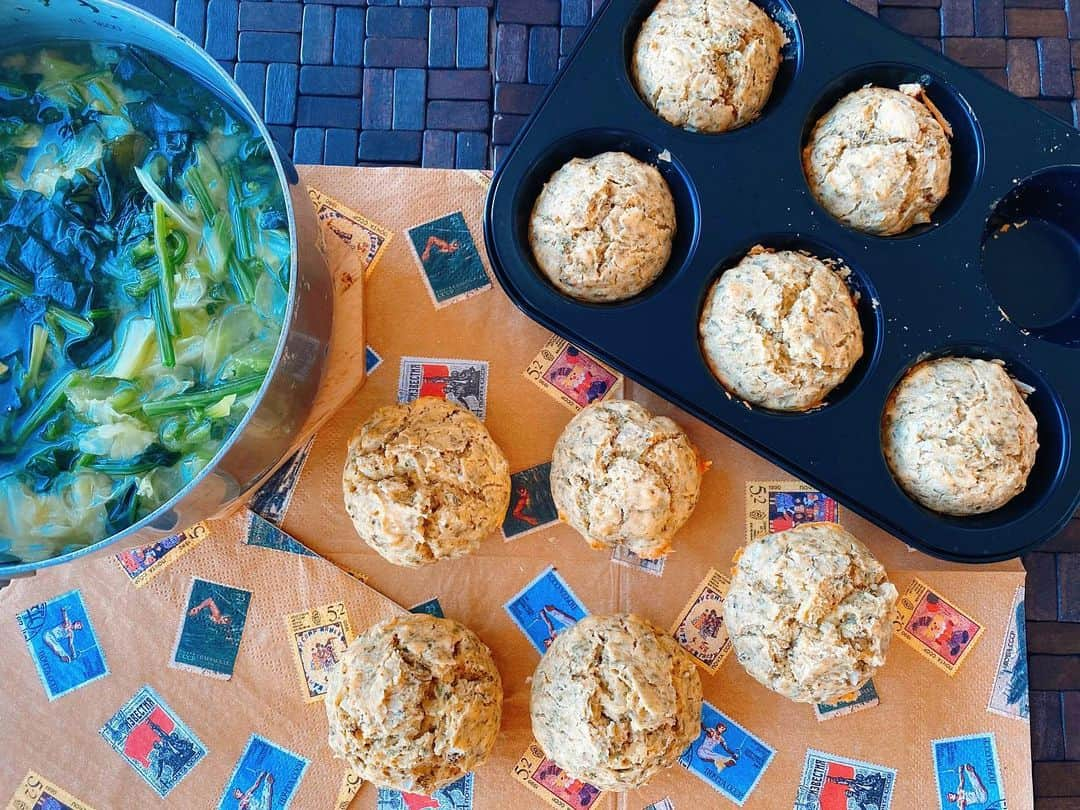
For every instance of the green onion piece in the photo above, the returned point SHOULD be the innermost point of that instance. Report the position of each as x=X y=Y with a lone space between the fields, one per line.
x=39 y=339
x=7 y=298
x=241 y=279
x=133 y=466
x=147 y=281
x=197 y=186
x=161 y=329
x=165 y=277
x=42 y=409
x=239 y=217
x=74 y=325
x=158 y=196
x=99 y=314
x=143 y=252
x=180 y=248
x=204 y=398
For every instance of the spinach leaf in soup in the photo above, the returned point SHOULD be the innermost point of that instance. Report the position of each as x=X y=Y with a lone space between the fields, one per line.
x=144 y=267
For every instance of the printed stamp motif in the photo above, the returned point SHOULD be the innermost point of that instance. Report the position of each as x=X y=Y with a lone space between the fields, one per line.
x=531 y=506
x=852 y=702
x=552 y=784
x=432 y=607
x=449 y=262
x=367 y=239
x=621 y=555
x=350 y=786
x=372 y=359
x=572 y=377
x=1009 y=693
x=699 y=627
x=967 y=773
x=265 y=534
x=664 y=804
x=457 y=795
x=273 y=498
x=62 y=644
x=318 y=638
x=726 y=756
x=266 y=776
x=836 y=783
x=154 y=741
x=936 y=628
x=142 y=563
x=211 y=628
x=35 y=792
x=544 y=608
x=463 y=382
x=776 y=506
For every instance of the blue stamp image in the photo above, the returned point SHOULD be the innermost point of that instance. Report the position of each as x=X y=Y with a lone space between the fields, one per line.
x=455 y=796
x=451 y=264
x=726 y=756
x=432 y=607
x=154 y=741
x=265 y=778
x=62 y=644
x=210 y=628
x=273 y=498
x=862 y=698
x=531 y=506
x=265 y=534
x=544 y=608
x=372 y=360
x=967 y=773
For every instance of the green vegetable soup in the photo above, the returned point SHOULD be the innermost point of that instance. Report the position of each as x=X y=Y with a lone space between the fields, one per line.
x=144 y=270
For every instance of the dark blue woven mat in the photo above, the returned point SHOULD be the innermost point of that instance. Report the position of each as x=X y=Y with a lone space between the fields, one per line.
x=448 y=82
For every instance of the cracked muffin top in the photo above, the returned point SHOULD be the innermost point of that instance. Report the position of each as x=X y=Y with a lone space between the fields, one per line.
x=602 y=228
x=707 y=65
x=880 y=160
x=424 y=481
x=621 y=476
x=415 y=703
x=809 y=612
x=958 y=435
x=615 y=701
x=780 y=329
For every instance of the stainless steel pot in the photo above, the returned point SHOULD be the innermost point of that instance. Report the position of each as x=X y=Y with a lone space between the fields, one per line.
x=260 y=441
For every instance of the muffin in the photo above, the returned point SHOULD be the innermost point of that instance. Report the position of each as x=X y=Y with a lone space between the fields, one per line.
x=621 y=476
x=880 y=160
x=414 y=704
x=615 y=701
x=424 y=481
x=780 y=330
x=602 y=227
x=958 y=435
x=707 y=65
x=809 y=612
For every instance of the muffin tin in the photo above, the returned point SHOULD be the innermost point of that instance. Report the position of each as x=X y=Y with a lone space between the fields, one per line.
x=1005 y=240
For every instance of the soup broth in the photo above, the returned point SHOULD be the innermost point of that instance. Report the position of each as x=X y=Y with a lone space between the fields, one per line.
x=144 y=270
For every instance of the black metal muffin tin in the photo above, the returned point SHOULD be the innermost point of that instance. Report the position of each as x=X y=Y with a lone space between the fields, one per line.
x=933 y=291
